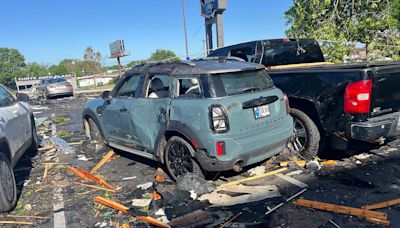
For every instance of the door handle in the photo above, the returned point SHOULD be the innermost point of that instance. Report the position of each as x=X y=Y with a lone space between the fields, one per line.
x=2 y=119
x=123 y=109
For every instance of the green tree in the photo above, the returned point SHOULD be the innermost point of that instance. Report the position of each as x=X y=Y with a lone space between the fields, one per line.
x=59 y=70
x=347 y=22
x=35 y=69
x=135 y=62
x=162 y=55
x=11 y=62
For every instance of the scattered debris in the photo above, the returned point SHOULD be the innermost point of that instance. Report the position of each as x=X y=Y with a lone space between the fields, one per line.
x=292 y=180
x=242 y=194
x=62 y=145
x=256 y=170
x=28 y=216
x=95 y=187
x=103 y=161
x=343 y=209
x=85 y=175
x=251 y=178
x=313 y=166
x=129 y=178
x=28 y=207
x=39 y=121
x=125 y=210
x=190 y=181
x=287 y=200
x=193 y=194
x=388 y=203
x=300 y=163
x=230 y=220
x=362 y=156
x=16 y=223
x=145 y=185
x=141 y=202
x=333 y=223
x=197 y=218
x=293 y=173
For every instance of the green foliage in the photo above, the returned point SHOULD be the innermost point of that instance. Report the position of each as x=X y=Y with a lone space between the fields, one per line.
x=91 y=55
x=135 y=62
x=161 y=55
x=11 y=63
x=375 y=23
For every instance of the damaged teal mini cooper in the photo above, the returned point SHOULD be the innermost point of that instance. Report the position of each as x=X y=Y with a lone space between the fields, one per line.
x=202 y=116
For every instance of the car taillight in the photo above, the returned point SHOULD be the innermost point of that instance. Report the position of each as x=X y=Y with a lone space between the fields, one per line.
x=286 y=100
x=357 y=98
x=51 y=86
x=218 y=119
x=220 y=148
x=68 y=84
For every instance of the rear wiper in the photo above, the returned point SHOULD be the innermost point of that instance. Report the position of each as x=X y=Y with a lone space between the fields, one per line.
x=250 y=89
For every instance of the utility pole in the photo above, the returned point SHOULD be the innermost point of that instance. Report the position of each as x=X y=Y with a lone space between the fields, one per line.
x=184 y=27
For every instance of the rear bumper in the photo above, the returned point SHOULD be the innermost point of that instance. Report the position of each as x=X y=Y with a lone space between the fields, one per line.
x=385 y=126
x=60 y=92
x=212 y=164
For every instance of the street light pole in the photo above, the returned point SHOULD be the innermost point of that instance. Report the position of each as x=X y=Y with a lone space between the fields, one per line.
x=184 y=26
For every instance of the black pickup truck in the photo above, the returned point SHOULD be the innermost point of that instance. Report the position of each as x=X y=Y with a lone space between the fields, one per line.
x=344 y=102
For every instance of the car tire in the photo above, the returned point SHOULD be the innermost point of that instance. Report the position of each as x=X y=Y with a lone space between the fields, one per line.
x=178 y=158
x=8 y=188
x=306 y=135
x=95 y=134
x=35 y=141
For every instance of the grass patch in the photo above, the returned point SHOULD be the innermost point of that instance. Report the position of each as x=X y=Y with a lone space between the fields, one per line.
x=63 y=134
x=19 y=209
x=60 y=119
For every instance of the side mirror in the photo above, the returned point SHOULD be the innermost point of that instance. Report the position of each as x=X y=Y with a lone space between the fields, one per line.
x=106 y=95
x=22 y=97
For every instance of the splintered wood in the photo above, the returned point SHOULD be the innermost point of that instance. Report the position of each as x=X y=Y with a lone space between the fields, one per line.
x=371 y=216
x=103 y=161
x=388 y=203
x=125 y=210
x=85 y=175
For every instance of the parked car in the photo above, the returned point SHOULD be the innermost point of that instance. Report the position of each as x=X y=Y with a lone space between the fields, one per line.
x=53 y=87
x=206 y=115
x=345 y=102
x=17 y=135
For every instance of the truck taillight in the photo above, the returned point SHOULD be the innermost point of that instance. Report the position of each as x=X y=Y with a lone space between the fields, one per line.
x=286 y=100
x=357 y=98
x=218 y=119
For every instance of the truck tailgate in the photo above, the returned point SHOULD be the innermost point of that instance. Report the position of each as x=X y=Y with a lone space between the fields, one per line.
x=385 y=90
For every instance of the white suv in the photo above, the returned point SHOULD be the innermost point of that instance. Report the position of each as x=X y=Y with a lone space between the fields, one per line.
x=17 y=135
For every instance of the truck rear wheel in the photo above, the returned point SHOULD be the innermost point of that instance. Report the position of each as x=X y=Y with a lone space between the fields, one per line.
x=307 y=137
x=8 y=189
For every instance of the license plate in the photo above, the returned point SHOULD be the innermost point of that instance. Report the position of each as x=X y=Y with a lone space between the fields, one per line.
x=261 y=111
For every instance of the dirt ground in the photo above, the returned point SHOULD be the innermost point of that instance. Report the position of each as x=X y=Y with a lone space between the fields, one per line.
x=363 y=175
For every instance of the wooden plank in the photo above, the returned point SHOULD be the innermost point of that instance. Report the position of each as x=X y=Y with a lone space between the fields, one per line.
x=301 y=163
x=232 y=183
x=45 y=148
x=287 y=200
x=153 y=221
x=95 y=179
x=198 y=218
x=28 y=216
x=329 y=163
x=111 y=204
x=292 y=180
x=16 y=223
x=103 y=161
x=379 y=221
x=95 y=187
x=291 y=66
x=75 y=171
x=46 y=171
x=342 y=209
x=126 y=225
x=384 y=204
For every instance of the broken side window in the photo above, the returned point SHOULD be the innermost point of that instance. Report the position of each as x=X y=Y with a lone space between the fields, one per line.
x=188 y=87
x=128 y=89
x=158 y=87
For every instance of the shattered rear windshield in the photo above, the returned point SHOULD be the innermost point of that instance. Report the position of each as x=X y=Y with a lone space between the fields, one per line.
x=243 y=82
x=55 y=80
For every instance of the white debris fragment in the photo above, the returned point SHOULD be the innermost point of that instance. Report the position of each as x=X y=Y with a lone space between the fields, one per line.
x=28 y=207
x=161 y=215
x=129 y=178
x=103 y=224
x=145 y=185
x=82 y=157
x=193 y=194
x=249 y=194
x=26 y=182
x=141 y=202
x=256 y=170
x=163 y=219
x=358 y=162
x=297 y=172
x=160 y=212
x=362 y=156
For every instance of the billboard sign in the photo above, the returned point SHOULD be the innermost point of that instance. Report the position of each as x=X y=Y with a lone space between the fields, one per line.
x=117 y=48
x=208 y=8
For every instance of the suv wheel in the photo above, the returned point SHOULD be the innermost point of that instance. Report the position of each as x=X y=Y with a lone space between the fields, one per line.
x=306 y=135
x=8 y=189
x=178 y=158
x=94 y=133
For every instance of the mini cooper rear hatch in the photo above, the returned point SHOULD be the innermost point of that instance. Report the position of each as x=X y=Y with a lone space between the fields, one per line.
x=203 y=116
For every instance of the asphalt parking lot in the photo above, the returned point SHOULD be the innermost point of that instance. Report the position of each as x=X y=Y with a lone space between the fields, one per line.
x=361 y=176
